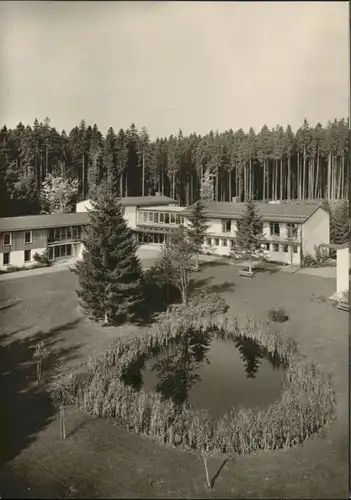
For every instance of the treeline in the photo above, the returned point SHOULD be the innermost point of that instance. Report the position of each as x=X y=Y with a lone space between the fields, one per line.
x=271 y=164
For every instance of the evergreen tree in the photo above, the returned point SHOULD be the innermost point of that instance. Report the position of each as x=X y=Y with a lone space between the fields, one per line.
x=206 y=188
x=110 y=274
x=247 y=241
x=197 y=228
x=339 y=224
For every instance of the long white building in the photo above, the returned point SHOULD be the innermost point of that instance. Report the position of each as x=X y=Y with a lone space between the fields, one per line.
x=289 y=229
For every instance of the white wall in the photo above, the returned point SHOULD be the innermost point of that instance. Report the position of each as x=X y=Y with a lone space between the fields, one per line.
x=215 y=232
x=342 y=270
x=130 y=216
x=17 y=258
x=314 y=232
x=84 y=206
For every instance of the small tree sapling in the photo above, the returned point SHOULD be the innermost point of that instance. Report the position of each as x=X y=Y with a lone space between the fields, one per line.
x=62 y=393
x=40 y=353
x=178 y=256
x=247 y=244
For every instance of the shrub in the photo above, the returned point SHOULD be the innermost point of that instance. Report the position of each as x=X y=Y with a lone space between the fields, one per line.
x=307 y=402
x=309 y=261
x=13 y=269
x=42 y=258
x=322 y=261
x=278 y=315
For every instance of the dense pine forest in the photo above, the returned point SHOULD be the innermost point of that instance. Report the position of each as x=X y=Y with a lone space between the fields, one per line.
x=270 y=164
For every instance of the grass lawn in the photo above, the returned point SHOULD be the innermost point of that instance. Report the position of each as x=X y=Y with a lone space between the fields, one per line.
x=101 y=460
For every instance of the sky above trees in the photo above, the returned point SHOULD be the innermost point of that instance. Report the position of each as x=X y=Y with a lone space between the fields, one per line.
x=170 y=65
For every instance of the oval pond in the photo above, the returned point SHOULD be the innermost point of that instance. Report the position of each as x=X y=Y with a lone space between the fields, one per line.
x=212 y=373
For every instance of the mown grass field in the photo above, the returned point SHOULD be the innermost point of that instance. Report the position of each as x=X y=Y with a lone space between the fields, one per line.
x=100 y=460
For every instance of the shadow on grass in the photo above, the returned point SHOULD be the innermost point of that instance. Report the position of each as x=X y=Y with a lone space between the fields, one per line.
x=26 y=408
x=267 y=268
x=6 y=304
x=226 y=286
x=158 y=296
x=199 y=285
x=213 y=263
x=220 y=468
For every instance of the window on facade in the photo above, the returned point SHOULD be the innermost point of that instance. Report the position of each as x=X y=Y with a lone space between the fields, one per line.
x=151 y=217
x=166 y=218
x=216 y=242
x=226 y=226
x=266 y=246
x=173 y=218
x=140 y=216
x=231 y=243
x=208 y=241
x=291 y=230
x=224 y=242
x=285 y=248
x=156 y=217
x=69 y=233
x=27 y=256
x=7 y=239
x=162 y=218
x=51 y=235
x=28 y=237
x=6 y=258
x=275 y=247
x=294 y=249
x=75 y=233
x=275 y=228
x=259 y=228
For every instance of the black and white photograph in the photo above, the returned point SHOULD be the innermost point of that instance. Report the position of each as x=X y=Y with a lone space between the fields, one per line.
x=174 y=249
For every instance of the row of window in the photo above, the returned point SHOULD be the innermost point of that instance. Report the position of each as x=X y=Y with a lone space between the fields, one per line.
x=272 y=247
x=8 y=238
x=57 y=234
x=6 y=257
x=65 y=233
x=59 y=251
x=55 y=252
x=146 y=217
x=274 y=228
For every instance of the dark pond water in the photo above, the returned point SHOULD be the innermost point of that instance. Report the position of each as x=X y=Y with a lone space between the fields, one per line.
x=211 y=373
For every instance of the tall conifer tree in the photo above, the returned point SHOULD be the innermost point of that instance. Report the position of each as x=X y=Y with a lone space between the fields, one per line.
x=197 y=228
x=110 y=274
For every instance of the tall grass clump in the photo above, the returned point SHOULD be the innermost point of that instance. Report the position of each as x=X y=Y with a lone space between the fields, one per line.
x=278 y=315
x=306 y=405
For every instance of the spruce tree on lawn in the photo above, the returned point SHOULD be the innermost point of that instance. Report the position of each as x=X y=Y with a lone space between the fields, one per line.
x=197 y=229
x=247 y=240
x=110 y=274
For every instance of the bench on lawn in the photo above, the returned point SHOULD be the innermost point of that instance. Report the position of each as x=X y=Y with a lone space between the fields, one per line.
x=245 y=272
x=343 y=306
